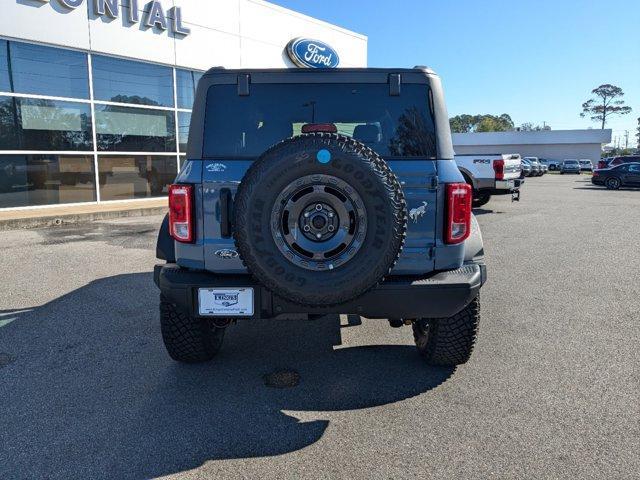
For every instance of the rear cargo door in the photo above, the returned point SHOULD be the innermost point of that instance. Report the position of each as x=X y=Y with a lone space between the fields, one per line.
x=244 y=120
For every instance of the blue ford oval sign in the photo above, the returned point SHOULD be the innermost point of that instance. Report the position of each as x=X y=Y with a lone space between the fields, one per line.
x=305 y=52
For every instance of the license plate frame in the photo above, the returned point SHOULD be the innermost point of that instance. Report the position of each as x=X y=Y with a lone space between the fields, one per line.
x=226 y=302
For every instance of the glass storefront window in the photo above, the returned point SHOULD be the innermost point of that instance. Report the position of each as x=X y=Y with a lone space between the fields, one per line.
x=184 y=120
x=126 y=129
x=50 y=71
x=5 y=84
x=36 y=124
x=46 y=179
x=126 y=81
x=186 y=83
x=149 y=140
x=124 y=177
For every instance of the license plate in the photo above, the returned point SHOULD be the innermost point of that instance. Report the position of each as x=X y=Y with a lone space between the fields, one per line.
x=225 y=302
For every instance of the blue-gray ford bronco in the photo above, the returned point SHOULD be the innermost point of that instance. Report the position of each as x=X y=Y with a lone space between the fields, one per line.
x=309 y=192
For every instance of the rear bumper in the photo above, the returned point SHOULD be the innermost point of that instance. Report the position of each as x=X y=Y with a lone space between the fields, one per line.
x=440 y=294
x=597 y=181
x=504 y=187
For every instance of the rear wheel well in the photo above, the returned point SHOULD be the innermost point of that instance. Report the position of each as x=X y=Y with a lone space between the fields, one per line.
x=165 y=246
x=467 y=179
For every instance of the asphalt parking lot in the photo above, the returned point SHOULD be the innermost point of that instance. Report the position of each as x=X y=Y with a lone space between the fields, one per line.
x=552 y=390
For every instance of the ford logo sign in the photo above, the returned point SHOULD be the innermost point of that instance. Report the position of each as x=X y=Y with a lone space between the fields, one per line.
x=308 y=53
x=227 y=254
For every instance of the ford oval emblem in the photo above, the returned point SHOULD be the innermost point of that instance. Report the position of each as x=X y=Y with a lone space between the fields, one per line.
x=227 y=254
x=308 y=53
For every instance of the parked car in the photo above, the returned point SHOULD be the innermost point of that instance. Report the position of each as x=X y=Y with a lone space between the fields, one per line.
x=545 y=168
x=553 y=164
x=625 y=175
x=488 y=175
x=297 y=220
x=527 y=169
x=570 y=166
x=536 y=166
x=586 y=165
x=624 y=159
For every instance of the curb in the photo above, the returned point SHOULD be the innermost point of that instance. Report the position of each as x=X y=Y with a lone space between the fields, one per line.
x=76 y=218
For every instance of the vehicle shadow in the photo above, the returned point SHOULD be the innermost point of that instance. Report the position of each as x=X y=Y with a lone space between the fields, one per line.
x=91 y=392
x=484 y=211
x=602 y=188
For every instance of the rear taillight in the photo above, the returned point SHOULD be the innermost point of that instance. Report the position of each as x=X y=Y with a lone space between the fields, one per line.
x=498 y=167
x=181 y=212
x=458 y=226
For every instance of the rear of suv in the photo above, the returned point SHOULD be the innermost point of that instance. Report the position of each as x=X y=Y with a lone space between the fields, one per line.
x=570 y=166
x=312 y=192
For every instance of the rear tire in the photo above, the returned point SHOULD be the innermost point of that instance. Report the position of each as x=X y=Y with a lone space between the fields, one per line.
x=188 y=339
x=448 y=341
x=480 y=199
x=612 y=183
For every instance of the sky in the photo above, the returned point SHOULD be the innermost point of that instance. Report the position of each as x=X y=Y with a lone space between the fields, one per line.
x=536 y=60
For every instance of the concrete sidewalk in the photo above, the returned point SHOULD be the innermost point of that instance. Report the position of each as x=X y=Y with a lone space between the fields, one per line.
x=66 y=214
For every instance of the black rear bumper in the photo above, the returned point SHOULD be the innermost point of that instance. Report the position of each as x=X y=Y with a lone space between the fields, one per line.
x=440 y=294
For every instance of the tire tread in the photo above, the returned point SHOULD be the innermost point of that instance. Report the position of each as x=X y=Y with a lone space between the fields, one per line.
x=451 y=340
x=186 y=338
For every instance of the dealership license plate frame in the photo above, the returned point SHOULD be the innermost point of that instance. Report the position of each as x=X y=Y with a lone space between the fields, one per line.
x=226 y=302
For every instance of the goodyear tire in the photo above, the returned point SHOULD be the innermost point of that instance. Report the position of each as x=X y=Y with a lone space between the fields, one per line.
x=448 y=341
x=319 y=219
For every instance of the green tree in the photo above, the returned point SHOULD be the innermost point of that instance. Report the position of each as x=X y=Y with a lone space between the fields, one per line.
x=462 y=123
x=481 y=123
x=638 y=133
x=530 y=127
x=606 y=104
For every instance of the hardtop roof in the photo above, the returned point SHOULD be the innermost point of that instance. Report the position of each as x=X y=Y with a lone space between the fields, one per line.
x=324 y=71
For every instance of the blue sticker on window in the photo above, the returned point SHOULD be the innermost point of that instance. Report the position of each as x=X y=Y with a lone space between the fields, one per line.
x=323 y=156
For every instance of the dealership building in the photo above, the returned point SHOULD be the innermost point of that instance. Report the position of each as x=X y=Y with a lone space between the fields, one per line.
x=548 y=144
x=96 y=95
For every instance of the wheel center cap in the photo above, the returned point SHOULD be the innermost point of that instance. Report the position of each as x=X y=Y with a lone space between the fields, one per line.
x=319 y=222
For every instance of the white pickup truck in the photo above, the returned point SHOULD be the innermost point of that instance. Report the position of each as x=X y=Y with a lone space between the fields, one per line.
x=488 y=175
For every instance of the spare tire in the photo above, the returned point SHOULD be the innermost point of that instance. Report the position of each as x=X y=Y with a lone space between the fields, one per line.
x=319 y=219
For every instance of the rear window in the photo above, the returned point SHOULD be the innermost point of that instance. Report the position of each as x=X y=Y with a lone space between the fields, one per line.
x=245 y=126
